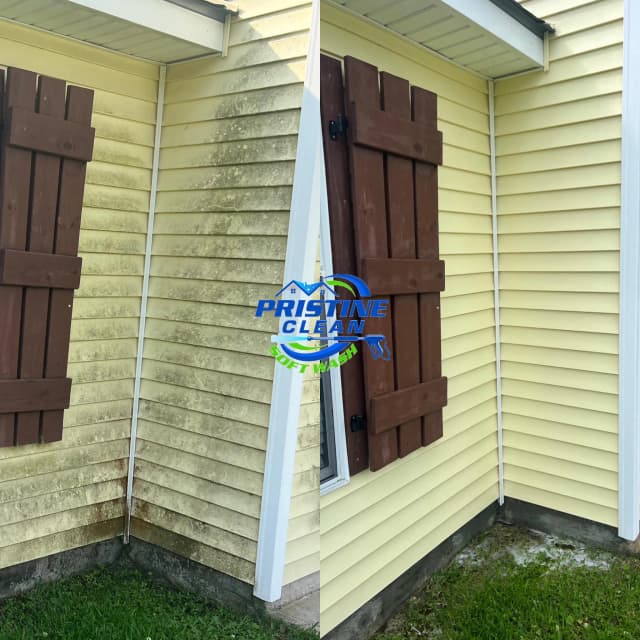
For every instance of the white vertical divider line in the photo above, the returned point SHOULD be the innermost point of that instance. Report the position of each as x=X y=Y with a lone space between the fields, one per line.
x=145 y=297
x=300 y=263
x=496 y=286
x=629 y=345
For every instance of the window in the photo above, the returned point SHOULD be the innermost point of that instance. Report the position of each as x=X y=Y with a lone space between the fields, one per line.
x=328 y=467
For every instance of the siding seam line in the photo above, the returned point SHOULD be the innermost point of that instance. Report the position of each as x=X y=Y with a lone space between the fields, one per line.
x=145 y=297
x=496 y=285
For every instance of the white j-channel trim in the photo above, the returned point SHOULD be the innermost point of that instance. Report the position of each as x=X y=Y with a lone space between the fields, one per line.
x=164 y=17
x=629 y=411
x=491 y=18
x=496 y=285
x=300 y=263
x=342 y=476
x=145 y=297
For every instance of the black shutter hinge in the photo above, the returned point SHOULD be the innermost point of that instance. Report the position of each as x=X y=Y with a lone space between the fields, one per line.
x=358 y=423
x=337 y=126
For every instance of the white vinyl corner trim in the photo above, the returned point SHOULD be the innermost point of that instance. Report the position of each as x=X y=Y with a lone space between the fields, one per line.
x=300 y=263
x=164 y=17
x=629 y=384
x=496 y=285
x=145 y=298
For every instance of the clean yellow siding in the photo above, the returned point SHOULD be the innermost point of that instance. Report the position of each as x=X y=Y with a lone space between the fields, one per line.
x=558 y=165
x=380 y=524
x=226 y=169
x=64 y=495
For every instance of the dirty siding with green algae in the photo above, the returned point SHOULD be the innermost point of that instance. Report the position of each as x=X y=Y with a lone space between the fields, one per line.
x=227 y=163
x=58 y=496
x=228 y=149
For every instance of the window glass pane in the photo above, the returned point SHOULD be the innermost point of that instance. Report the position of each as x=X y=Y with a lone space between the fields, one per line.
x=327 y=441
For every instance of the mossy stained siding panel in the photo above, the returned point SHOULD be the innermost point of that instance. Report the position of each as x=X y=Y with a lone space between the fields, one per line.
x=380 y=524
x=63 y=495
x=226 y=170
x=558 y=165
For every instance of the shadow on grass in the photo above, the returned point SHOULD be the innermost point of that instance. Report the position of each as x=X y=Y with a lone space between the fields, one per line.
x=124 y=604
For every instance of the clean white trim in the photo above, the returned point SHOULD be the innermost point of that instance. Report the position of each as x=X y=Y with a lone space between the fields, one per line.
x=164 y=17
x=145 y=297
x=342 y=476
x=300 y=263
x=629 y=413
x=497 y=22
x=496 y=285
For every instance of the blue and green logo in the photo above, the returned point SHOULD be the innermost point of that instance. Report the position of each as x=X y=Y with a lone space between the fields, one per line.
x=317 y=328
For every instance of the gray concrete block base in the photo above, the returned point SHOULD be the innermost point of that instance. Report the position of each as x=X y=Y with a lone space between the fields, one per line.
x=300 y=602
x=23 y=577
x=299 y=605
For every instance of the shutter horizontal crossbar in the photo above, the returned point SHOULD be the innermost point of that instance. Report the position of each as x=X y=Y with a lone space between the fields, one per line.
x=34 y=395
x=31 y=269
x=37 y=132
x=396 y=276
x=389 y=133
x=397 y=407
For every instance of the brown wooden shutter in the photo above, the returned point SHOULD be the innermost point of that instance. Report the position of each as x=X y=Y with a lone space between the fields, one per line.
x=46 y=142
x=382 y=150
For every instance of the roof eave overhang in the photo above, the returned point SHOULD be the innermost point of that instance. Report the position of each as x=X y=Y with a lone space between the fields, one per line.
x=492 y=16
x=166 y=17
x=489 y=38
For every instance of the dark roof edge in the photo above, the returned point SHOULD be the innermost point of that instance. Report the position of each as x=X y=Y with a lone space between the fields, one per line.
x=524 y=17
x=215 y=11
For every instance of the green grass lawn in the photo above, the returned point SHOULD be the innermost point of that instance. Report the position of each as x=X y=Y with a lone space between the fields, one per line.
x=516 y=586
x=123 y=604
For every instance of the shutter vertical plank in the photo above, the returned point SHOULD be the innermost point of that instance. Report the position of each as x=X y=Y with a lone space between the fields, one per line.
x=370 y=222
x=424 y=106
x=6 y=425
x=15 y=183
x=402 y=244
x=342 y=245
x=44 y=196
x=72 y=178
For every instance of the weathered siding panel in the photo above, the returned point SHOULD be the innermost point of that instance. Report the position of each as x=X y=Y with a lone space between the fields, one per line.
x=558 y=146
x=59 y=496
x=226 y=169
x=380 y=524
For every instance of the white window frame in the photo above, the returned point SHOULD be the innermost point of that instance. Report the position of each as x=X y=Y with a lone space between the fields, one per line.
x=339 y=440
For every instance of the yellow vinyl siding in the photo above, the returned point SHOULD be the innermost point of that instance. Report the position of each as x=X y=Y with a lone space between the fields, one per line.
x=59 y=496
x=380 y=524
x=226 y=169
x=558 y=166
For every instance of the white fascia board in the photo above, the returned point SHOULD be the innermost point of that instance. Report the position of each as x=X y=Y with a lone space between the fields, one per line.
x=629 y=359
x=163 y=17
x=300 y=263
x=494 y=20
